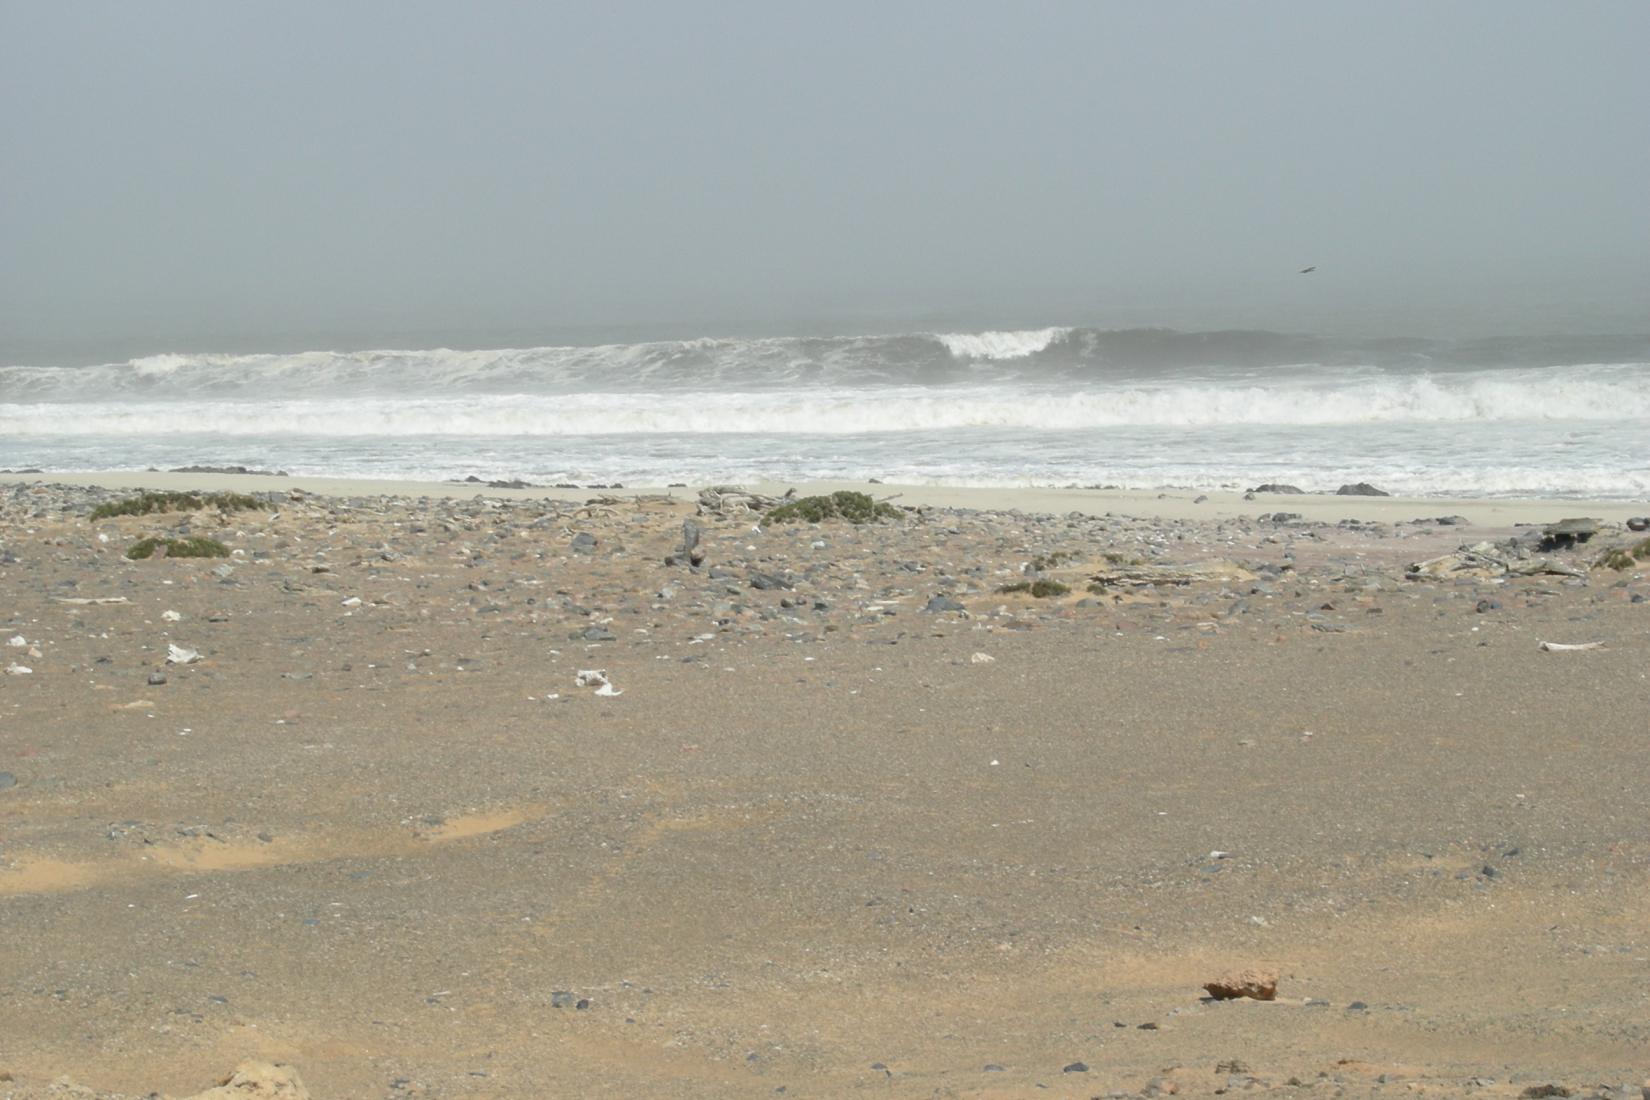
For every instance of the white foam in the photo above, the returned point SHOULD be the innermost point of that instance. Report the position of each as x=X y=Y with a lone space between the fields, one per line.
x=1000 y=345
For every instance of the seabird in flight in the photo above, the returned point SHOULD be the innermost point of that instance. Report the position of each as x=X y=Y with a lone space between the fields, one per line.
x=1308 y=270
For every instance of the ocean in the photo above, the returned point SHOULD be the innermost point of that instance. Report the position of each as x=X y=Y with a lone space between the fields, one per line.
x=1135 y=408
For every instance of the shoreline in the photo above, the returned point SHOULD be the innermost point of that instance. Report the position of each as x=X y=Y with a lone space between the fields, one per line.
x=1181 y=504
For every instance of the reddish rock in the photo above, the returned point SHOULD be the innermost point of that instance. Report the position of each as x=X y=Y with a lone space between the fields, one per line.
x=1259 y=985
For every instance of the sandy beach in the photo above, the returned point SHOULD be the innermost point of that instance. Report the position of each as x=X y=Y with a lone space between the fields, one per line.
x=431 y=790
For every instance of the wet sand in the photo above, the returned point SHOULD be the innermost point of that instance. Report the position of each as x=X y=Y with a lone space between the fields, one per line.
x=823 y=839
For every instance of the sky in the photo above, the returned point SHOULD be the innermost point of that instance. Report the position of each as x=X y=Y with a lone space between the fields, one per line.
x=260 y=176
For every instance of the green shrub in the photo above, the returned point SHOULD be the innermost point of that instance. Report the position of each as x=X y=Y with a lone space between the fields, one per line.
x=196 y=547
x=1054 y=559
x=148 y=504
x=1622 y=559
x=1041 y=589
x=846 y=505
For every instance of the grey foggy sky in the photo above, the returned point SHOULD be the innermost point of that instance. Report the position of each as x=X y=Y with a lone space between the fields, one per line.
x=235 y=176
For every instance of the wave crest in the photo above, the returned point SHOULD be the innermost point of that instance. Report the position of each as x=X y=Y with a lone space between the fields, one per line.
x=1001 y=345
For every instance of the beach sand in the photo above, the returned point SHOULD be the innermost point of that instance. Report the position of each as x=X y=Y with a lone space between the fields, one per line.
x=821 y=840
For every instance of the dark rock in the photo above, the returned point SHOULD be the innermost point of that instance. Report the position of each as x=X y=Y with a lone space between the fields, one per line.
x=1076 y=1067
x=1488 y=605
x=1361 y=489
x=1276 y=487
x=767 y=582
x=157 y=678
x=1536 y=1092
x=583 y=543
x=7 y=781
x=1639 y=523
x=1357 y=1006
x=1567 y=533
x=943 y=603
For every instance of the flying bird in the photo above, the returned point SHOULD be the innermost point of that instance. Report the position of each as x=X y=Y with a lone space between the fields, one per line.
x=1308 y=270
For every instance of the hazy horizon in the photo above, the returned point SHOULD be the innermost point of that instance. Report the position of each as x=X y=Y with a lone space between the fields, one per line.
x=195 y=177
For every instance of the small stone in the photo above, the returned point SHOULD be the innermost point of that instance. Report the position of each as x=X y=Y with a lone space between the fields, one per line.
x=1076 y=1067
x=7 y=781
x=157 y=678
x=1361 y=489
x=1258 y=985
x=561 y=998
x=594 y=634
x=1537 y=1092
x=943 y=603
x=1357 y=1006
x=583 y=543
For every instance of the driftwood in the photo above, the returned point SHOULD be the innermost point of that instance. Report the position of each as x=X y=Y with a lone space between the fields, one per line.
x=1487 y=559
x=734 y=500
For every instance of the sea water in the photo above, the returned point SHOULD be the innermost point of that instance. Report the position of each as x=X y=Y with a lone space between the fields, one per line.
x=1143 y=408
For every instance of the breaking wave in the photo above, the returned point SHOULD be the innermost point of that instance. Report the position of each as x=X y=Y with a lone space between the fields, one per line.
x=1000 y=345
x=1077 y=356
x=1595 y=393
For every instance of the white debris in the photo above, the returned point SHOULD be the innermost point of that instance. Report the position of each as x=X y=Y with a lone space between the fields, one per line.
x=181 y=655
x=981 y=659
x=171 y=616
x=596 y=678
x=15 y=669
x=353 y=601
x=17 y=641
x=1562 y=647
x=1218 y=854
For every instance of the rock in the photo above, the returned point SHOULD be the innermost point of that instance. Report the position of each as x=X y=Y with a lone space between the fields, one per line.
x=7 y=781
x=1639 y=523
x=562 y=999
x=1276 y=487
x=943 y=603
x=1567 y=533
x=1536 y=1092
x=1361 y=489
x=593 y=634
x=1257 y=985
x=257 y=1081
x=1075 y=1067
x=157 y=678
x=767 y=582
x=583 y=543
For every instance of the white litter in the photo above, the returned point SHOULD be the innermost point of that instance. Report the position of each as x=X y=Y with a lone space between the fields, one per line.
x=181 y=655
x=596 y=678
x=353 y=601
x=171 y=616
x=1562 y=647
x=981 y=659
x=17 y=641
x=15 y=669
